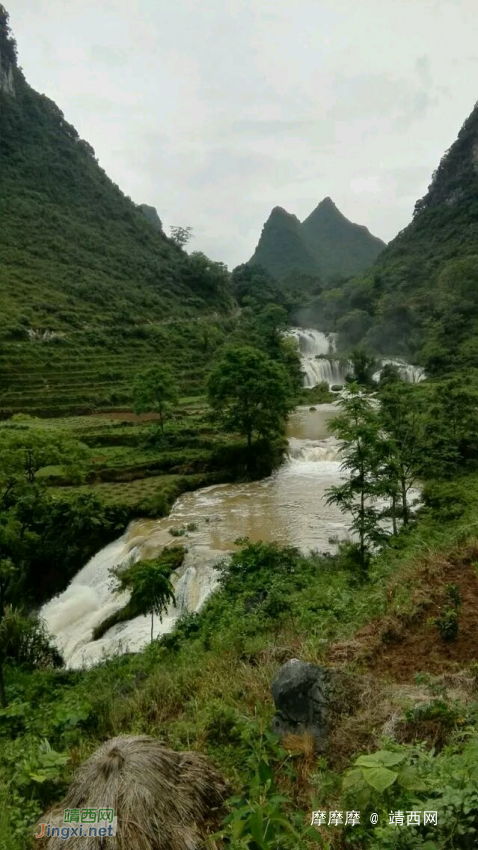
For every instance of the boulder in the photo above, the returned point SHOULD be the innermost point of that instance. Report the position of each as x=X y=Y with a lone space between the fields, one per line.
x=305 y=698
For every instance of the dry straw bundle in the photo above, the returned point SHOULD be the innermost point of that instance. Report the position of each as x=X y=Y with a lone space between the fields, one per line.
x=163 y=800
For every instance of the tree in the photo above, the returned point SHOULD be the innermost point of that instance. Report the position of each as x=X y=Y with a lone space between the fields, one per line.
x=155 y=392
x=26 y=449
x=453 y=413
x=181 y=235
x=254 y=283
x=389 y=374
x=206 y=276
x=24 y=640
x=358 y=430
x=364 y=365
x=250 y=394
x=403 y=445
x=7 y=42
x=150 y=587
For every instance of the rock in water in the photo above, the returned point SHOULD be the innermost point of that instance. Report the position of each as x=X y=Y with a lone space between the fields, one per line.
x=303 y=695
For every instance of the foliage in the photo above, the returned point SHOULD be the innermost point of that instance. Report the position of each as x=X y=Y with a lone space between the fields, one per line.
x=25 y=451
x=379 y=771
x=448 y=620
x=250 y=394
x=150 y=587
x=364 y=365
x=357 y=428
x=181 y=235
x=155 y=392
x=421 y=291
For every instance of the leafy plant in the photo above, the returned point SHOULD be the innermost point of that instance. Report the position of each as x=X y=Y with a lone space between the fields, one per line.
x=379 y=771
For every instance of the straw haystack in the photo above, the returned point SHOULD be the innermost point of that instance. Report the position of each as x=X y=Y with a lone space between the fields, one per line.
x=163 y=800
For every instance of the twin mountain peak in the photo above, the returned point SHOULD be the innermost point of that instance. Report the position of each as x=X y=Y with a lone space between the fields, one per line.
x=326 y=243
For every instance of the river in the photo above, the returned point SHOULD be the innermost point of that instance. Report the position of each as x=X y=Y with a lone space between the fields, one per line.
x=288 y=507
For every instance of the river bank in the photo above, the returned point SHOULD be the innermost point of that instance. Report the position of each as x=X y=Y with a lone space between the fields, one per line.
x=287 y=507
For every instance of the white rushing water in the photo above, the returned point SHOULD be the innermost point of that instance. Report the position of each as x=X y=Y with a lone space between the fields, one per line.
x=288 y=507
x=319 y=364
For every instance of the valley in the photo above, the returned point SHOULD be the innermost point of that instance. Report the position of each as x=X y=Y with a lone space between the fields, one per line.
x=238 y=507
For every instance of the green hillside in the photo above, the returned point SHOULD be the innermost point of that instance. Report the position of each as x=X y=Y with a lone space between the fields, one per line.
x=325 y=245
x=421 y=297
x=88 y=280
x=281 y=248
x=341 y=248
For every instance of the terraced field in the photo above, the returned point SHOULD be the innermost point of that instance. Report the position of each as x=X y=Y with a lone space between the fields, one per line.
x=93 y=370
x=132 y=467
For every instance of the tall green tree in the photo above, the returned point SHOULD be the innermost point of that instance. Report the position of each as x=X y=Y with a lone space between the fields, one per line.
x=403 y=445
x=364 y=365
x=358 y=429
x=26 y=449
x=181 y=235
x=155 y=392
x=150 y=587
x=250 y=394
x=453 y=413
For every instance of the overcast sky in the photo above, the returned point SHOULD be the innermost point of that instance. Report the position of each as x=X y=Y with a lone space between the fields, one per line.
x=215 y=111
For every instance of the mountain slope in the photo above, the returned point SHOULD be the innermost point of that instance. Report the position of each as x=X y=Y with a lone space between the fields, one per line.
x=341 y=247
x=281 y=248
x=326 y=244
x=77 y=257
x=422 y=292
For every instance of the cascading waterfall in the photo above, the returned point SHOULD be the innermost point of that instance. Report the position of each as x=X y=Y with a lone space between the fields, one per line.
x=91 y=598
x=288 y=507
x=319 y=364
x=410 y=374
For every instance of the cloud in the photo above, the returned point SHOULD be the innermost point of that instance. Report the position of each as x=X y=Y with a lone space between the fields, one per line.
x=216 y=112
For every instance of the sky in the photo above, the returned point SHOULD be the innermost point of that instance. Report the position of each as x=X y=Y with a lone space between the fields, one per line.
x=215 y=111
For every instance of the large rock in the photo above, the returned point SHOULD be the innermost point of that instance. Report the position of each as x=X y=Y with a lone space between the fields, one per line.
x=305 y=697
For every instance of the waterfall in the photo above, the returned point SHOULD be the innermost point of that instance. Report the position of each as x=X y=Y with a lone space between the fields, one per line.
x=410 y=374
x=318 y=366
x=91 y=598
x=288 y=507
x=314 y=451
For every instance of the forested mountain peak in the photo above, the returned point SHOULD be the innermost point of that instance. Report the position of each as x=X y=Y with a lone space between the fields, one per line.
x=325 y=244
x=281 y=248
x=456 y=178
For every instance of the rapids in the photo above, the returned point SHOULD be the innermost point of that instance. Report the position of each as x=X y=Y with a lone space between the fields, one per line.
x=288 y=507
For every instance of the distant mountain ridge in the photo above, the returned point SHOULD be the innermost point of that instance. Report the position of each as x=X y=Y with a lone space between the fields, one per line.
x=326 y=243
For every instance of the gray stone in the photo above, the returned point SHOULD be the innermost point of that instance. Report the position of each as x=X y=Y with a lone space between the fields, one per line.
x=303 y=695
x=7 y=82
x=152 y=216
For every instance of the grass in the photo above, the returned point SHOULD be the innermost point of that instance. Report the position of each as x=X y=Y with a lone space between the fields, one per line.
x=206 y=687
